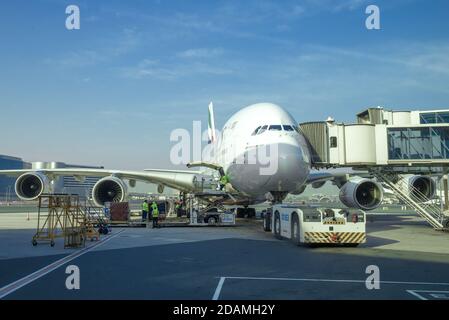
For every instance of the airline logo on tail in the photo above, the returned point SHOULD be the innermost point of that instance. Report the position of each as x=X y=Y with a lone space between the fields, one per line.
x=211 y=124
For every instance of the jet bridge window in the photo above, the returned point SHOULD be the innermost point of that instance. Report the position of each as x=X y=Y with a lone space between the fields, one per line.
x=434 y=117
x=418 y=143
x=334 y=142
x=276 y=128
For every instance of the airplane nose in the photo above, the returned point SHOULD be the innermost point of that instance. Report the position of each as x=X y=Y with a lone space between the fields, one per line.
x=292 y=167
x=278 y=167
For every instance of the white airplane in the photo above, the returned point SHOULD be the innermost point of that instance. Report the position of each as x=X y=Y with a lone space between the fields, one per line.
x=251 y=131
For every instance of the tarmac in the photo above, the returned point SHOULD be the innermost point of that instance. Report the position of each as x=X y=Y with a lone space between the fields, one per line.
x=229 y=263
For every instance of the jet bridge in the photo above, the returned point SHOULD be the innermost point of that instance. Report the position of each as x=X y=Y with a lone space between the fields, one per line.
x=388 y=144
x=402 y=140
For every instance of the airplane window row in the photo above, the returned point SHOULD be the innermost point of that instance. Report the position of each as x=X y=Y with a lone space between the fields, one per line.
x=279 y=127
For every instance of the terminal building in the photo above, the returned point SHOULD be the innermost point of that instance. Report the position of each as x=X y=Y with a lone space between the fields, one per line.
x=69 y=184
x=65 y=184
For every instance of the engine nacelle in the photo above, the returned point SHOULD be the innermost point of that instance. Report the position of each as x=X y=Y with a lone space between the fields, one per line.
x=420 y=188
x=109 y=189
x=362 y=194
x=319 y=184
x=30 y=186
x=299 y=191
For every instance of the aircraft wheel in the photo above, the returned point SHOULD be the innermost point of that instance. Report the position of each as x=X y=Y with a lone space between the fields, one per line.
x=277 y=225
x=267 y=223
x=251 y=212
x=212 y=220
x=295 y=231
x=241 y=212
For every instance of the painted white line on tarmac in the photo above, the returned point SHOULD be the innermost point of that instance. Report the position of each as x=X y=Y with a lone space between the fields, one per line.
x=218 y=289
x=416 y=294
x=413 y=292
x=338 y=280
x=16 y=285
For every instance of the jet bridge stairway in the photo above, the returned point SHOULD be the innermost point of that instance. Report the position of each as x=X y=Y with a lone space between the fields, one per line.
x=425 y=208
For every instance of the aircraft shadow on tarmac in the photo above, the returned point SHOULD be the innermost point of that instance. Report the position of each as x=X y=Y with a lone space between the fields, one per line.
x=373 y=241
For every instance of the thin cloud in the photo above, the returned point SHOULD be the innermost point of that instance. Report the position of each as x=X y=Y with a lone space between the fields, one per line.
x=82 y=58
x=336 y=5
x=172 y=70
x=430 y=57
x=128 y=40
x=201 y=53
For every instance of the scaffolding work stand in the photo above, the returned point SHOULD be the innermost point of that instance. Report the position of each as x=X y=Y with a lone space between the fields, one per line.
x=75 y=223
x=49 y=220
x=60 y=216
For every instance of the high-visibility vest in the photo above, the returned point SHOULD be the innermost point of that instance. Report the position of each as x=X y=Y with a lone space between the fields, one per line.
x=145 y=207
x=224 y=180
x=155 y=210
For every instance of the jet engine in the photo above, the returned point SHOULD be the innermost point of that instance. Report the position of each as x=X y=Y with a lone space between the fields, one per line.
x=362 y=194
x=420 y=188
x=109 y=189
x=30 y=186
x=299 y=190
x=319 y=184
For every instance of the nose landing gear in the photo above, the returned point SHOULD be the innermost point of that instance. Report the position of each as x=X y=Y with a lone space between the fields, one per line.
x=246 y=212
x=276 y=197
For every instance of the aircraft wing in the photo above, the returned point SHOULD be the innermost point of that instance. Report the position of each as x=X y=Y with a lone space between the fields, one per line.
x=180 y=180
x=337 y=178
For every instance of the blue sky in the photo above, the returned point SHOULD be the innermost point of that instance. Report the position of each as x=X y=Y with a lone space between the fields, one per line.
x=111 y=92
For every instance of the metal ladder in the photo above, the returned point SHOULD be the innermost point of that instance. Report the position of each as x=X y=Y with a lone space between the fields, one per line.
x=429 y=211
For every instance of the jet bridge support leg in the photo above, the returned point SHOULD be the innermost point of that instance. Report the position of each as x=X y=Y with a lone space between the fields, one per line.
x=445 y=188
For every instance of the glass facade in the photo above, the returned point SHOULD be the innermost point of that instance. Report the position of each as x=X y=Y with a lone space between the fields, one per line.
x=434 y=117
x=418 y=143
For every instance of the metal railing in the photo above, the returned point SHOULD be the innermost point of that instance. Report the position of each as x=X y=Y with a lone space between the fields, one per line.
x=414 y=198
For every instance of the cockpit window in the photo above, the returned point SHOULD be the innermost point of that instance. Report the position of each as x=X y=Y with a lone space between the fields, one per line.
x=288 y=128
x=263 y=129
x=276 y=128
x=255 y=131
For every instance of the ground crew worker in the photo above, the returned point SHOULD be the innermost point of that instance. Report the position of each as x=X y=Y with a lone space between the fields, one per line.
x=178 y=209
x=224 y=180
x=155 y=214
x=145 y=210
